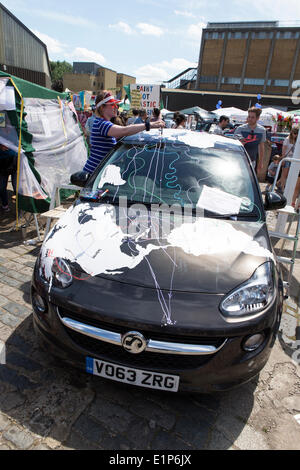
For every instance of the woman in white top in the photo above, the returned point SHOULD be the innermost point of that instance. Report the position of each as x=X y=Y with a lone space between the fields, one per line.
x=180 y=121
x=287 y=151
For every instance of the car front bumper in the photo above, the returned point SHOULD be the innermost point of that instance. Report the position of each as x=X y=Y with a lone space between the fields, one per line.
x=230 y=365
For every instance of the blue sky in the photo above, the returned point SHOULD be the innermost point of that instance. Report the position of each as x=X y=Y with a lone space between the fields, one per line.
x=152 y=40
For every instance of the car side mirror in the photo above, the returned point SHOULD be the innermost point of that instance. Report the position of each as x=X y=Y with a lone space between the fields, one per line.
x=79 y=178
x=274 y=201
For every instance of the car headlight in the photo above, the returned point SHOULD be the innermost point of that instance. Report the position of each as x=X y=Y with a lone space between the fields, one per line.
x=251 y=297
x=61 y=273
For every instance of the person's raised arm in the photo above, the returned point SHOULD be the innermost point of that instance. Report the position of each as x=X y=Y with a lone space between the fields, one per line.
x=120 y=131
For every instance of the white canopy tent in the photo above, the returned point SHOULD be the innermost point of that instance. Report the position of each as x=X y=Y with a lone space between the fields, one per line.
x=229 y=111
x=164 y=111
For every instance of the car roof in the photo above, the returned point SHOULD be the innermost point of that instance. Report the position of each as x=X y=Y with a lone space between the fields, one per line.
x=184 y=136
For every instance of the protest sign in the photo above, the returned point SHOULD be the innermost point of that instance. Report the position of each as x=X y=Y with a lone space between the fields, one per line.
x=145 y=96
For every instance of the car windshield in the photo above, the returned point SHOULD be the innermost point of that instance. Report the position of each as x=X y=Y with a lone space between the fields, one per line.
x=168 y=173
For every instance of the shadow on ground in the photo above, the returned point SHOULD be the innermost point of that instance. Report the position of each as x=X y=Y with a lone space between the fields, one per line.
x=50 y=400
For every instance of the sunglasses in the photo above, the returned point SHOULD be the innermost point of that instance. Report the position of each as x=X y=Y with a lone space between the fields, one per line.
x=114 y=105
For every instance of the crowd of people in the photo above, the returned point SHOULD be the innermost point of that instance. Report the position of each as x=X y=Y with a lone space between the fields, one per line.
x=106 y=126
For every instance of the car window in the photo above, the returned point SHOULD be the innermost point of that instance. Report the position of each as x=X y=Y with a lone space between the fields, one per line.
x=169 y=173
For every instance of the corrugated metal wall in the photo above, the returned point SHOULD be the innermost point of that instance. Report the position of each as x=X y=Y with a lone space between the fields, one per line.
x=19 y=48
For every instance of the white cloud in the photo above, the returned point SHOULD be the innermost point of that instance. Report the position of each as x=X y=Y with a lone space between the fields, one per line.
x=150 y=29
x=122 y=27
x=194 y=31
x=63 y=18
x=81 y=54
x=153 y=73
x=185 y=13
x=53 y=45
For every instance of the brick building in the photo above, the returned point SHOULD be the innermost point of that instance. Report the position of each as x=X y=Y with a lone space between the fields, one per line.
x=249 y=57
x=93 y=77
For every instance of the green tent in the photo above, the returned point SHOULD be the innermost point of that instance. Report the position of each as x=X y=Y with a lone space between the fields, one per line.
x=41 y=126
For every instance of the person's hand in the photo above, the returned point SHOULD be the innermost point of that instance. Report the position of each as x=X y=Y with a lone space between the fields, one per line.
x=156 y=124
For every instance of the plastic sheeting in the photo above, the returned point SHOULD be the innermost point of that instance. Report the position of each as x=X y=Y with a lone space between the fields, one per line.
x=51 y=131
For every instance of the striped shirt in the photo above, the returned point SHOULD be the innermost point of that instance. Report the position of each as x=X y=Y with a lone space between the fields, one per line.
x=101 y=144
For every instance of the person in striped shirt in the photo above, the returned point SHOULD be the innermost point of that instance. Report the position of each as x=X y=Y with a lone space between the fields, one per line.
x=104 y=133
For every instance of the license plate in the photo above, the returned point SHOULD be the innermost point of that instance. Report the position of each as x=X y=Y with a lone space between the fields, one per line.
x=129 y=375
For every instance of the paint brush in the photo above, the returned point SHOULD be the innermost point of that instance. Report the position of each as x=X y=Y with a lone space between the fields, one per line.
x=101 y=195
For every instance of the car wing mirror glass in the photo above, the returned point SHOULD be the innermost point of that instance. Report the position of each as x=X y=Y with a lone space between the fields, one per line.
x=79 y=178
x=274 y=201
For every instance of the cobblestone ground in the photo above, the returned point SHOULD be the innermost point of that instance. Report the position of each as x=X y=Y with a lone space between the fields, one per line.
x=45 y=405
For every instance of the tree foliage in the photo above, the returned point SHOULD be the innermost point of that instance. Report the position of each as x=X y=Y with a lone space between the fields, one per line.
x=58 y=69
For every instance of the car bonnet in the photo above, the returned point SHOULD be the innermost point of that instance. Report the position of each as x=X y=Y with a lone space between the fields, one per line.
x=196 y=255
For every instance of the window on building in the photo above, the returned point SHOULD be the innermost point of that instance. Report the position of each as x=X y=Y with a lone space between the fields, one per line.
x=286 y=34
x=237 y=35
x=208 y=79
x=254 y=81
x=284 y=83
x=262 y=35
x=214 y=35
x=231 y=80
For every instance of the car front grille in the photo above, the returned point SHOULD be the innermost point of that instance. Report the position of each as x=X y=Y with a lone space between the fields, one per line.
x=150 y=360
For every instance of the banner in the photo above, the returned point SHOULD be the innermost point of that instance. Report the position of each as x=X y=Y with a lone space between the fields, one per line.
x=145 y=97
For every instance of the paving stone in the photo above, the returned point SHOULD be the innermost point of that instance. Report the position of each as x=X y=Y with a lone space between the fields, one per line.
x=151 y=411
x=8 y=319
x=19 y=276
x=18 y=342
x=40 y=446
x=112 y=416
x=17 y=309
x=16 y=379
x=5 y=289
x=13 y=265
x=6 y=253
x=3 y=269
x=194 y=431
x=91 y=430
x=2 y=260
x=21 y=439
x=11 y=282
x=218 y=441
x=5 y=331
x=140 y=434
x=3 y=300
x=4 y=447
x=4 y=422
x=164 y=440
x=11 y=401
x=77 y=442
x=19 y=360
x=41 y=424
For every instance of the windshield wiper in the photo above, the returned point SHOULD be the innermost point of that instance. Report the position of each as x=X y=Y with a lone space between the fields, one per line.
x=216 y=215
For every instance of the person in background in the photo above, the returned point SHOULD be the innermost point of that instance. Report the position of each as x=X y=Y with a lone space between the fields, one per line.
x=288 y=148
x=89 y=124
x=142 y=117
x=272 y=168
x=156 y=116
x=105 y=134
x=131 y=120
x=253 y=136
x=117 y=120
x=124 y=117
x=8 y=166
x=220 y=127
x=180 y=121
x=174 y=119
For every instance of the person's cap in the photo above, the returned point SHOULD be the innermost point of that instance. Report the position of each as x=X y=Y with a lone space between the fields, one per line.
x=108 y=100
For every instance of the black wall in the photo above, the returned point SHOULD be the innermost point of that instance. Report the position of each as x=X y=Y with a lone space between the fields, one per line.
x=175 y=101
